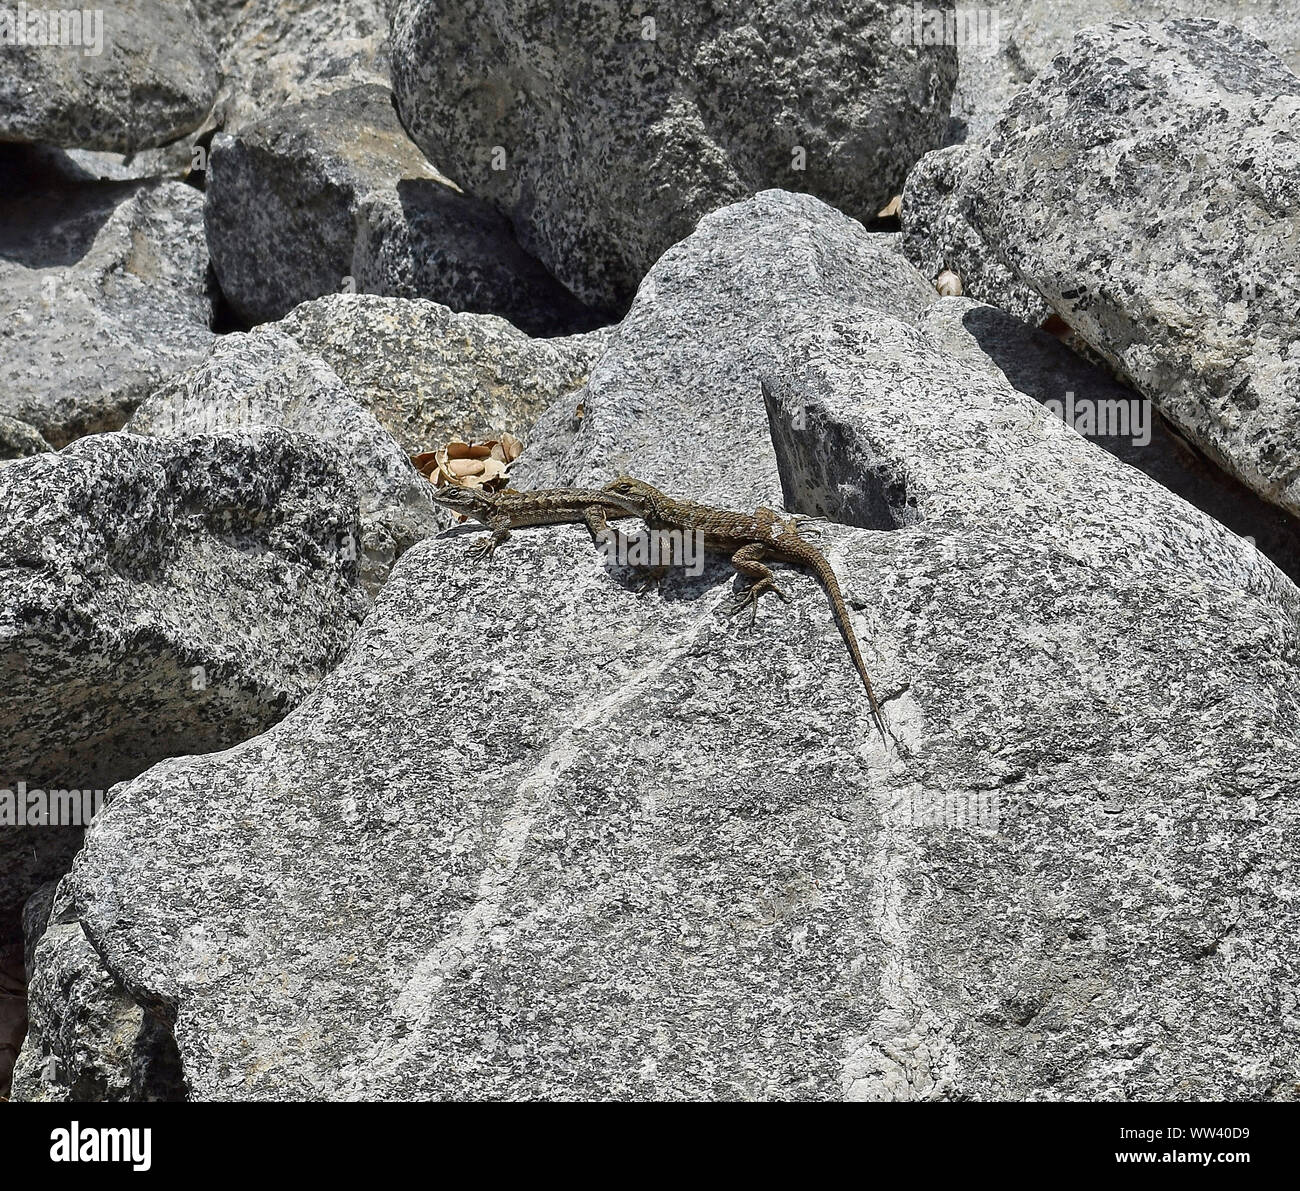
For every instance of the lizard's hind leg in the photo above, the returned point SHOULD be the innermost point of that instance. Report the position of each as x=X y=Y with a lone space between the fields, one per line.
x=748 y=562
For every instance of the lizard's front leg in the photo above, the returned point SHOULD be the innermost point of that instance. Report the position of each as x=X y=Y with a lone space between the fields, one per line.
x=485 y=547
x=748 y=562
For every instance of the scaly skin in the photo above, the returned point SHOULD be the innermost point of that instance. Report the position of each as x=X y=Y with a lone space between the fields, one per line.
x=502 y=511
x=748 y=539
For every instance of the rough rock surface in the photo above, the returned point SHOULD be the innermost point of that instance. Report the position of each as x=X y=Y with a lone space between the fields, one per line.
x=1030 y=33
x=86 y=1039
x=681 y=109
x=73 y=167
x=159 y=597
x=428 y=373
x=936 y=236
x=688 y=346
x=542 y=834
x=1147 y=187
x=265 y=380
x=18 y=438
x=1113 y=416
x=134 y=76
x=332 y=195
x=102 y=295
x=282 y=52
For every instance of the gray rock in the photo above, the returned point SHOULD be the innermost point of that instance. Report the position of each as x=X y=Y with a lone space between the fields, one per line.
x=219 y=17
x=427 y=373
x=606 y=132
x=332 y=195
x=709 y=321
x=1146 y=186
x=13 y=1010
x=159 y=597
x=937 y=236
x=102 y=295
x=276 y=53
x=618 y=849
x=1030 y=33
x=18 y=439
x=1110 y=414
x=136 y=76
x=252 y=382
x=82 y=1021
x=72 y=168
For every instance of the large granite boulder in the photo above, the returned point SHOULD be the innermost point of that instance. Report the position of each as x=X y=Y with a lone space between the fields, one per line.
x=1147 y=188
x=254 y=382
x=331 y=195
x=103 y=294
x=605 y=132
x=279 y=53
x=157 y=597
x=134 y=76
x=1006 y=43
x=543 y=834
x=428 y=373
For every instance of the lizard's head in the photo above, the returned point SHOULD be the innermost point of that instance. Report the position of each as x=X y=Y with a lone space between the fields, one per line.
x=468 y=502
x=640 y=496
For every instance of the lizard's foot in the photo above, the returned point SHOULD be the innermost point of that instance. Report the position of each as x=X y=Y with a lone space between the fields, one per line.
x=482 y=551
x=650 y=577
x=750 y=596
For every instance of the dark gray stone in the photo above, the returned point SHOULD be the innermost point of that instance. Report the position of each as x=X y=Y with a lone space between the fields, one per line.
x=606 y=132
x=159 y=597
x=133 y=76
x=332 y=195
x=103 y=294
x=18 y=439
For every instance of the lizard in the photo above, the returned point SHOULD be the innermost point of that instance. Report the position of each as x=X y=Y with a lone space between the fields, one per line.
x=501 y=511
x=749 y=539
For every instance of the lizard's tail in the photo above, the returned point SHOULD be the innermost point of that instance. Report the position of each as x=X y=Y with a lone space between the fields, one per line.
x=817 y=561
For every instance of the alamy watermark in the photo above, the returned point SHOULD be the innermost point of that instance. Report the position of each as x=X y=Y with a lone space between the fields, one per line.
x=659 y=548
x=966 y=26
x=1112 y=417
x=21 y=807
x=80 y=27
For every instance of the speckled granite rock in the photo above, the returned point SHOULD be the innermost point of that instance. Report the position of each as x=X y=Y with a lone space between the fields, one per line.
x=545 y=835
x=159 y=597
x=134 y=76
x=936 y=236
x=332 y=194
x=18 y=439
x=683 y=108
x=1110 y=414
x=265 y=380
x=427 y=373
x=1146 y=186
x=102 y=295
x=280 y=52
x=83 y=1021
x=708 y=322
x=1030 y=33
